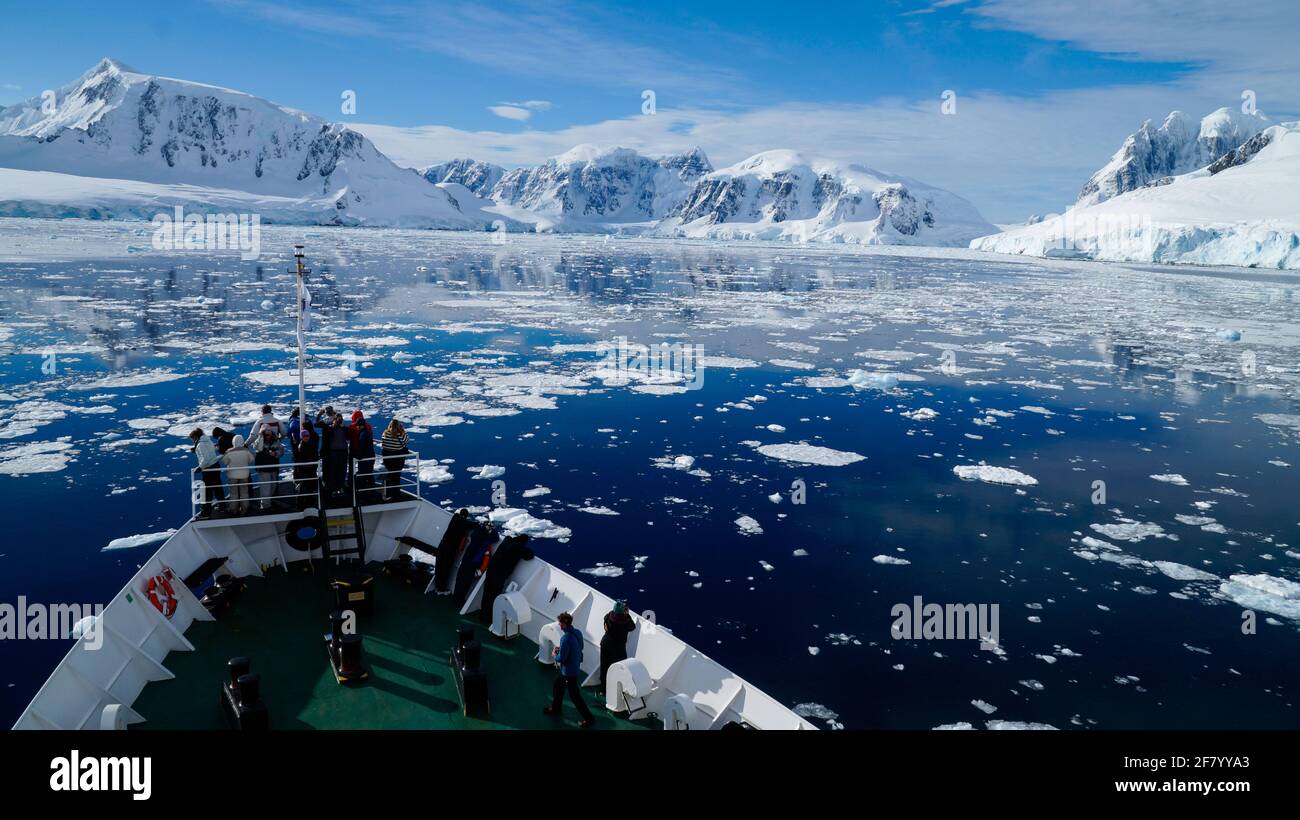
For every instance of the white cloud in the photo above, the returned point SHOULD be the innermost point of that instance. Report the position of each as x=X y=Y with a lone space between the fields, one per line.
x=510 y=112
x=519 y=111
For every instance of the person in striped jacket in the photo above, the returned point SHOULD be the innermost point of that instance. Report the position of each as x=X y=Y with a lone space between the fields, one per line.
x=394 y=448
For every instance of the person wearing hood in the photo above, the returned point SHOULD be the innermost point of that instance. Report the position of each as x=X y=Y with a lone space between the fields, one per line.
x=223 y=439
x=208 y=469
x=334 y=447
x=294 y=430
x=266 y=424
x=266 y=443
x=361 y=440
x=304 y=471
x=613 y=644
x=238 y=461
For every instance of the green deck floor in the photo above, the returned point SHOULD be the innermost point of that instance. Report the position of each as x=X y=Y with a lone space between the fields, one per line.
x=279 y=621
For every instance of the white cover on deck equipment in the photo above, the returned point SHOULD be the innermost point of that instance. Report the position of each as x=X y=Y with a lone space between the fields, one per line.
x=510 y=608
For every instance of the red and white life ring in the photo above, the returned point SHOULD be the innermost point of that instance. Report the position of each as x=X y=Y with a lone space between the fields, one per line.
x=160 y=593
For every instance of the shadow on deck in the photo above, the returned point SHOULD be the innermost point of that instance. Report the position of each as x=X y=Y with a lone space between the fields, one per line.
x=279 y=622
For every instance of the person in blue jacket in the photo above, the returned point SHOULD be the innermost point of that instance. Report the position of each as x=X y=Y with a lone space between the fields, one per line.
x=569 y=657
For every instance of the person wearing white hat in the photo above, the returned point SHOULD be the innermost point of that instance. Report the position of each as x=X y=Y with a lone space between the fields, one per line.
x=238 y=460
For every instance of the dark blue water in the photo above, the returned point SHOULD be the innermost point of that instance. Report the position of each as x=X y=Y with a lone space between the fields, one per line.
x=1106 y=350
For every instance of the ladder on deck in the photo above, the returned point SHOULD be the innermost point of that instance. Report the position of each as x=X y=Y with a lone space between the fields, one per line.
x=351 y=529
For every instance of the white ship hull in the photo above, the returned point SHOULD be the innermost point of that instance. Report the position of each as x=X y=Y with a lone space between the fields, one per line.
x=97 y=682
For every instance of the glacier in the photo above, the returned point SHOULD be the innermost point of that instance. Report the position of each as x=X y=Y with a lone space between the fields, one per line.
x=1239 y=208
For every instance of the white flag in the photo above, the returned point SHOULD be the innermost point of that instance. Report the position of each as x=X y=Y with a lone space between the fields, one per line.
x=304 y=317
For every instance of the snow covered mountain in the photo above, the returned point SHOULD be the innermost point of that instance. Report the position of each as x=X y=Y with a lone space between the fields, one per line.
x=121 y=144
x=590 y=188
x=1177 y=147
x=118 y=143
x=783 y=195
x=478 y=177
x=1241 y=207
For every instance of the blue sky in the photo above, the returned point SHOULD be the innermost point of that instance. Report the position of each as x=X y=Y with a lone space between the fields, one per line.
x=516 y=81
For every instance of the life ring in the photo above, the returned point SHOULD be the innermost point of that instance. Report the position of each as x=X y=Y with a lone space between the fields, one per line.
x=160 y=593
x=305 y=534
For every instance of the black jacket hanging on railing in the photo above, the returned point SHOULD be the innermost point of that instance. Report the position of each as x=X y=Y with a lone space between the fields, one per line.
x=478 y=548
x=452 y=540
x=504 y=560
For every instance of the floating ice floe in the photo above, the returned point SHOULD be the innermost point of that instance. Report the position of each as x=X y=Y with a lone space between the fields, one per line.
x=431 y=472
x=891 y=560
x=1171 y=478
x=488 y=471
x=994 y=475
x=131 y=541
x=684 y=463
x=598 y=510
x=1132 y=531
x=380 y=341
x=868 y=380
x=602 y=570
x=822 y=382
x=518 y=522
x=816 y=710
x=312 y=376
x=36 y=457
x=1265 y=592
x=82 y=627
x=920 y=414
x=148 y=424
x=726 y=362
x=984 y=706
x=810 y=454
x=137 y=379
x=748 y=526
x=1182 y=572
x=1018 y=725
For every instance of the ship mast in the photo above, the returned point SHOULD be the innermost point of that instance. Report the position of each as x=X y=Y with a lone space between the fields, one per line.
x=302 y=356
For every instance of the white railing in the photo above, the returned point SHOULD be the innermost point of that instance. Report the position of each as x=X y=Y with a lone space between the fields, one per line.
x=308 y=486
x=376 y=486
